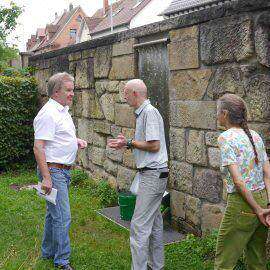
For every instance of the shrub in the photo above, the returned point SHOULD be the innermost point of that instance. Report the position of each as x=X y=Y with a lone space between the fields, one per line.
x=107 y=195
x=18 y=107
x=18 y=72
x=78 y=177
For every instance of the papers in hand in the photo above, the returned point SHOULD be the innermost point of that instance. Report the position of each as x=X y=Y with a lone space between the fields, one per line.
x=50 y=198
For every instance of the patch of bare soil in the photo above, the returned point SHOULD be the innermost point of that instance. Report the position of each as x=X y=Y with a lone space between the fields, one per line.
x=19 y=187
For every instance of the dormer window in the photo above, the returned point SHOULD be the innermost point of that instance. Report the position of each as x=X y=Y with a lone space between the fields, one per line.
x=72 y=33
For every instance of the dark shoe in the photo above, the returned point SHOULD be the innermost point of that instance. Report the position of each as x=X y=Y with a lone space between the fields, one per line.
x=65 y=267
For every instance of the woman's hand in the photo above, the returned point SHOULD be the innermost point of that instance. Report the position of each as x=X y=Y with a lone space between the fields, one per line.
x=264 y=216
x=267 y=219
x=247 y=195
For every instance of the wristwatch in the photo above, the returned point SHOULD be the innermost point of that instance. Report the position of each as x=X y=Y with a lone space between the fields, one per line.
x=129 y=144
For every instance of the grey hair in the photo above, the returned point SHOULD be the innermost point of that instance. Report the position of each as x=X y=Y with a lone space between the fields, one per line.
x=138 y=86
x=56 y=82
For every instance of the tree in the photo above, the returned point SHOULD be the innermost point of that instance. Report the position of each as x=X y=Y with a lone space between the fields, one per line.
x=8 y=23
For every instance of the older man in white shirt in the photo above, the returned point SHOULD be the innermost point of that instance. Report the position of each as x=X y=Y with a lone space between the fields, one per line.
x=149 y=148
x=55 y=150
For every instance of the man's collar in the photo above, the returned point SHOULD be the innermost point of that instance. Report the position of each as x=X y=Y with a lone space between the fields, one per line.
x=58 y=106
x=143 y=105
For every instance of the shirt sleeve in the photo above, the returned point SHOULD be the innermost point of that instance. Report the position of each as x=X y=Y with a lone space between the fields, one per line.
x=44 y=128
x=227 y=152
x=152 y=126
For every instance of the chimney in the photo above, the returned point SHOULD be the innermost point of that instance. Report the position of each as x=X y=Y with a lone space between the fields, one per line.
x=70 y=6
x=55 y=15
x=105 y=6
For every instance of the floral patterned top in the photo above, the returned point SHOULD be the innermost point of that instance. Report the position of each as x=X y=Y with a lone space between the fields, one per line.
x=235 y=148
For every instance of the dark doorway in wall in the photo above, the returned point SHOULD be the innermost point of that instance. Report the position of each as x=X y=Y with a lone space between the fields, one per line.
x=153 y=65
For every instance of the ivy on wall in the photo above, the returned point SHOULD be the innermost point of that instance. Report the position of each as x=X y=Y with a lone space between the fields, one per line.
x=18 y=107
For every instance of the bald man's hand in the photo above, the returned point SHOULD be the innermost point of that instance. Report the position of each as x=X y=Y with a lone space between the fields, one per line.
x=118 y=143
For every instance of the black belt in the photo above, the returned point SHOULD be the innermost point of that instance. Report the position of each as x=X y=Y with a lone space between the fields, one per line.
x=149 y=169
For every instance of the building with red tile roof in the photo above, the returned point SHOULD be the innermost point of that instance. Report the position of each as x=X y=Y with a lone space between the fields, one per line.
x=60 y=33
x=123 y=15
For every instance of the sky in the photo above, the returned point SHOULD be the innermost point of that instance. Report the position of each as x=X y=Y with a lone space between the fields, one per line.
x=37 y=13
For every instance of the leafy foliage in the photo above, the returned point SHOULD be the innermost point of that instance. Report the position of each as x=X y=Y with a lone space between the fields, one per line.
x=79 y=177
x=8 y=22
x=6 y=54
x=18 y=72
x=8 y=17
x=107 y=195
x=18 y=104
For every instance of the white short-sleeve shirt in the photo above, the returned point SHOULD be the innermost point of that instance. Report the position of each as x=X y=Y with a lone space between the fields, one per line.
x=54 y=125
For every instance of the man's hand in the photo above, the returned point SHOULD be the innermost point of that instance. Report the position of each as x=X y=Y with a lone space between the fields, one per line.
x=263 y=216
x=46 y=185
x=118 y=143
x=81 y=143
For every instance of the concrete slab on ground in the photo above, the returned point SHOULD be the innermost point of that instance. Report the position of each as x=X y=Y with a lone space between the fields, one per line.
x=113 y=213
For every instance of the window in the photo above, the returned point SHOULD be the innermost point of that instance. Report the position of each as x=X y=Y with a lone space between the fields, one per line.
x=72 y=33
x=79 y=18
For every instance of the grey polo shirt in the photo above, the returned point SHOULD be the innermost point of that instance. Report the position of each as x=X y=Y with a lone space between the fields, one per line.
x=150 y=127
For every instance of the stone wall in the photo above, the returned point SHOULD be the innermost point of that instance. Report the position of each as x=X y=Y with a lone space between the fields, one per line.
x=218 y=50
x=206 y=61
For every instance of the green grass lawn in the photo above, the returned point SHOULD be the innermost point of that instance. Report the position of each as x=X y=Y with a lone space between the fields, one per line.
x=96 y=242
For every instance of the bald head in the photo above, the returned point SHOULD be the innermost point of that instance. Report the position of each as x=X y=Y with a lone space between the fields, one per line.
x=137 y=86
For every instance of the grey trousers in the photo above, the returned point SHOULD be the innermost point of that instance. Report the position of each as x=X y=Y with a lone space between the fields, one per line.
x=146 y=231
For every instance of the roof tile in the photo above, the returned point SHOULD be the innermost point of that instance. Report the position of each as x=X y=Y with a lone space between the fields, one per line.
x=185 y=5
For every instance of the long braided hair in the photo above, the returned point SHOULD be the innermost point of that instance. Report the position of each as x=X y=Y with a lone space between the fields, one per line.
x=237 y=113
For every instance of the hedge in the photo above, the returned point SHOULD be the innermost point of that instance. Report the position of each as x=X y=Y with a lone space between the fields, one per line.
x=18 y=107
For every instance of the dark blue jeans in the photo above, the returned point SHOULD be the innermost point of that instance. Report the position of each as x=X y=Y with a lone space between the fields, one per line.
x=56 y=243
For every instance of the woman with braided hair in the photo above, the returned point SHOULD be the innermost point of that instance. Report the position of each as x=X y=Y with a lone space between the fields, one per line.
x=246 y=172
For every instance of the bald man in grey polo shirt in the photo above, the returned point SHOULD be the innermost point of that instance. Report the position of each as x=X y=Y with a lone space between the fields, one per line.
x=149 y=148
